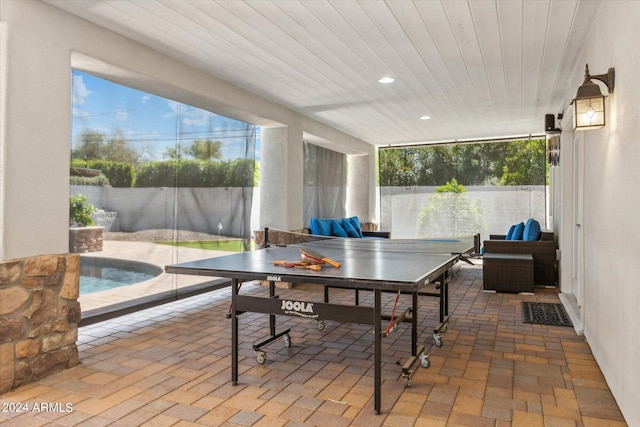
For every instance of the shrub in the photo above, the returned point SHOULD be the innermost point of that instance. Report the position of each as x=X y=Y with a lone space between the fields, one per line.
x=241 y=173
x=196 y=173
x=99 y=180
x=80 y=210
x=119 y=174
x=156 y=174
x=190 y=174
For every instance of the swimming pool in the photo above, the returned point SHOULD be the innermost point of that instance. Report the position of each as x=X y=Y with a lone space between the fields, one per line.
x=99 y=274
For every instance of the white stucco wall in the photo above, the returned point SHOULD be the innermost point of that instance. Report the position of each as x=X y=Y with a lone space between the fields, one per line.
x=39 y=46
x=361 y=188
x=611 y=206
x=281 y=182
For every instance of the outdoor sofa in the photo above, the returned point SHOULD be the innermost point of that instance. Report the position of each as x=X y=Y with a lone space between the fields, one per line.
x=543 y=251
x=290 y=237
x=345 y=227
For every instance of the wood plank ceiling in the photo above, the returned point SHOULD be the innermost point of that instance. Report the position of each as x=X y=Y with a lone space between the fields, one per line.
x=479 y=68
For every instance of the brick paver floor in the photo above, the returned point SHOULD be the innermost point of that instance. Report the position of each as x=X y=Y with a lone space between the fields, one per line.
x=170 y=365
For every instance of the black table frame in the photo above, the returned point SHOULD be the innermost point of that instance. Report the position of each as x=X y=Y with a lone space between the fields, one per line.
x=273 y=306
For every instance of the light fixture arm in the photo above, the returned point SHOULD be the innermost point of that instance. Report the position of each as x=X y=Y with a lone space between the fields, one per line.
x=609 y=78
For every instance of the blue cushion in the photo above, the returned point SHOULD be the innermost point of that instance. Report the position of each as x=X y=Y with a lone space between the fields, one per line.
x=532 y=230
x=355 y=222
x=351 y=232
x=320 y=227
x=517 y=232
x=510 y=233
x=337 y=230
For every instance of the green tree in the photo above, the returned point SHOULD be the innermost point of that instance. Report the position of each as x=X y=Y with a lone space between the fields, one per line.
x=450 y=213
x=504 y=163
x=435 y=163
x=206 y=150
x=525 y=164
x=118 y=149
x=90 y=147
x=451 y=187
x=95 y=145
x=397 y=167
x=201 y=149
x=176 y=153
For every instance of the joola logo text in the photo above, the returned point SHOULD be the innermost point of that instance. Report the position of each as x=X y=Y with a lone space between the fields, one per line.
x=274 y=278
x=304 y=309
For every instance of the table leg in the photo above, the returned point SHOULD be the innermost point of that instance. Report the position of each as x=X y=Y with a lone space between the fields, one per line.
x=444 y=309
x=377 y=368
x=414 y=323
x=442 y=297
x=234 y=333
x=272 y=318
x=445 y=281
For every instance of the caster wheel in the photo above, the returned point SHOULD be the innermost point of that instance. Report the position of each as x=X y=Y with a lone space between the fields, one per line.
x=438 y=340
x=407 y=382
x=320 y=325
x=424 y=361
x=261 y=357
x=287 y=341
x=444 y=328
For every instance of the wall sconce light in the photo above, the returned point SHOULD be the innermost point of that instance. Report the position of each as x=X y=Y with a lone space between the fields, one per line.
x=588 y=105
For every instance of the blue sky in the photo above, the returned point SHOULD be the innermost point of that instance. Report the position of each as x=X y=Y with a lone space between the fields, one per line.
x=150 y=123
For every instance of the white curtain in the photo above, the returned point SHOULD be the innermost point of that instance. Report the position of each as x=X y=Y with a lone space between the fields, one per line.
x=325 y=183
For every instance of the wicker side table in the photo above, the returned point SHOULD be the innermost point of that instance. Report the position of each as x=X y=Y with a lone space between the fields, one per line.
x=507 y=272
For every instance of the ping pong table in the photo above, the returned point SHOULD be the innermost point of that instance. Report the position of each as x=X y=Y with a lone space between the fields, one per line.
x=377 y=265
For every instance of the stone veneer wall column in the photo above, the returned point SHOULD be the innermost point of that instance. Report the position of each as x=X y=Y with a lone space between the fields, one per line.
x=39 y=315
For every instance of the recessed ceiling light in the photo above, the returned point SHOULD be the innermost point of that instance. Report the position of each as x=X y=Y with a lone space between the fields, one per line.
x=386 y=80
x=425 y=117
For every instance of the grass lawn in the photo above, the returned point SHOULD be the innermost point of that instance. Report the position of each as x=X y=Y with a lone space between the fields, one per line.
x=213 y=245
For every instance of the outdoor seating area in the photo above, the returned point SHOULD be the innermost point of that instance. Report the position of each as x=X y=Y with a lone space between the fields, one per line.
x=288 y=237
x=170 y=366
x=345 y=227
x=521 y=259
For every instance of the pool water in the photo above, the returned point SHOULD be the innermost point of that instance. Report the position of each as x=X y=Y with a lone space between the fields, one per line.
x=99 y=274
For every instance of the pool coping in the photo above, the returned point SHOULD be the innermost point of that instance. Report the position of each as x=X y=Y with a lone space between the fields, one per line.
x=162 y=287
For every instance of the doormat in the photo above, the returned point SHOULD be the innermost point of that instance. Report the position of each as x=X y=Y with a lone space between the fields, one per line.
x=545 y=313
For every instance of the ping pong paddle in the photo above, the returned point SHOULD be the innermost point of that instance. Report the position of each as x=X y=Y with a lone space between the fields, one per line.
x=310 y=253
x=291 y=264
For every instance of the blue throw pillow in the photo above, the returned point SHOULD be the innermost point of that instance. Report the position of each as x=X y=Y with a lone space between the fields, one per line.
x=337 y=230
x=531 y=230
x=517 y=232
x=351 y=232
x=355 y=222
x=320 y=227
x=509 y=234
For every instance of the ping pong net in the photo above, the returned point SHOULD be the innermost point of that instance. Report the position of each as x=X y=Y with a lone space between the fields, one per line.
x=465 y=244
x=275 y=237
